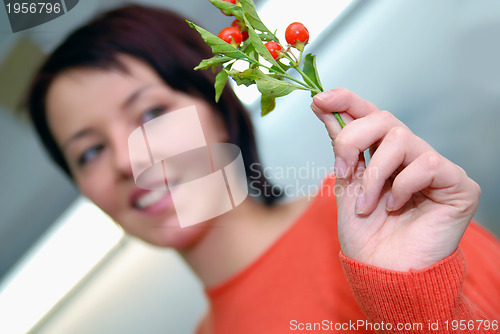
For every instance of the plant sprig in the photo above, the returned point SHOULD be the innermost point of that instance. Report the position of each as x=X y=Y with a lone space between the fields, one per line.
x=271 y=75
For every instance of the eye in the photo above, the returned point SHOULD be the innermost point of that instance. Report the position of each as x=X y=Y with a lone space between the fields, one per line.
x=89 y=154
x=152 y=114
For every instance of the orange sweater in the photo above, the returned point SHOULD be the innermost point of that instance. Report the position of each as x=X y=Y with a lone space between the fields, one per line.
x=299 y=285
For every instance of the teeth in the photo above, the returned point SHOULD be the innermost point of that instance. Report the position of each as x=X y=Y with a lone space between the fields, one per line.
x=149 y=198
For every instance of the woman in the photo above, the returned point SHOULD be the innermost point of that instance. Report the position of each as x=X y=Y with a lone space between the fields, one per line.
x=271 y=266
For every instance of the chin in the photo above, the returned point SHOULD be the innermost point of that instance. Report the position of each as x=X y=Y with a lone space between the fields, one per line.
x=176 y=237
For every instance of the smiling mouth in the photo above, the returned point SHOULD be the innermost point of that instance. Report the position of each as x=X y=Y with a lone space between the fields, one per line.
x=152 y=202
x=150 y=199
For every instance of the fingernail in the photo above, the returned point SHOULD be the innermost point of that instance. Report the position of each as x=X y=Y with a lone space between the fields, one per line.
x=340 y=168
x=360 y=203
x=389 y=205
x=315 y=108
x=324 y=97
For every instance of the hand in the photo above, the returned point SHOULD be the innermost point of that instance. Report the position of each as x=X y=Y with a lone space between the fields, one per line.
x=409 y=207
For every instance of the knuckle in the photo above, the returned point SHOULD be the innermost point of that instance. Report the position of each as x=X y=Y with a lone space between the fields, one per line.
x=400 y=186
x=340 y=143
x=349 y=136
x=470 y=202
x=344 y=147
x=432 y=160
x=399 y=134
x=384 y=114
x=371 y=106
x=461 y=170
x=475 y=189
x=459 y=173
x=343 y=91
x=346 y=97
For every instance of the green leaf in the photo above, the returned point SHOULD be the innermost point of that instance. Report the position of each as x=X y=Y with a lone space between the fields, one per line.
x=311 y=71
x=250 y=52
x=217 y=44
x=282 y=68
x=267 y=37
x=246 y=77
x=252 y=22
x=244 y=46
x=227 y=7
x=250 y=13
x=267 y=104
x=275 y=87
x=220 y=83
x=271 y=88
x=259 y=45
x=213 y=62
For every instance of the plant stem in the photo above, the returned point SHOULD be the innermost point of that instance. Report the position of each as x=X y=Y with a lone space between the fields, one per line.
x=317 y=90
x=307 y=79
x=336 y=114
x=304 y=76
x=286 y=75
x=298 y=81
x=300 y=57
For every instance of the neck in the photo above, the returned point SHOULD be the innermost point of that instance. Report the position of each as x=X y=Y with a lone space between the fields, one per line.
x=230 y=243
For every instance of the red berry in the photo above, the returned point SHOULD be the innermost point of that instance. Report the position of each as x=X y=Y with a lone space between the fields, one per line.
x=296 y=34
x=241 y=27
x=244 y=35
x=231 y=35
x=237 y=24
x=230 y=1
x=273 y=48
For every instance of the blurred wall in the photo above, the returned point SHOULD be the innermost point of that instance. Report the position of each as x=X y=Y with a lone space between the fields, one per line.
x=138 y=289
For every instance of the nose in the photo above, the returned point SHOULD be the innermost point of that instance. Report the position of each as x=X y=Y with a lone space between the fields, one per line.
x=121 y=158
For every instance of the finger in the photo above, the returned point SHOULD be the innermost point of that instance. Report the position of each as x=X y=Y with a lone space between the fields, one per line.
x=432 y=174
x=340 y=100
x=331 y=123
x=397 y=150
x=360 y=135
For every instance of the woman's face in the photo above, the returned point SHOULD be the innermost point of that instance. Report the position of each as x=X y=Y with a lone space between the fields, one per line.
x=91 y=113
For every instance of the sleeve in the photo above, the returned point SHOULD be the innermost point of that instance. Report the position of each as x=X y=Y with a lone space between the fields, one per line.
x=436 y=299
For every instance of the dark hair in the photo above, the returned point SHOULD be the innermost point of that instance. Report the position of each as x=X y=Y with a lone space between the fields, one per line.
x=163 y=40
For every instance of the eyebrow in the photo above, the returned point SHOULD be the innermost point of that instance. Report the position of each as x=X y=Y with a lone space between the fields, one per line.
x=134 y=96
x=80 y=134
x=131 y=99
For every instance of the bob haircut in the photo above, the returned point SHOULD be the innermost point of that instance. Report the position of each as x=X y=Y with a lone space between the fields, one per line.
x=164 y=41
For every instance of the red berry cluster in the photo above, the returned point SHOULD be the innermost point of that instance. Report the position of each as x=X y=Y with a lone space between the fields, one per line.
x=236 y=33
x=296 y=35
